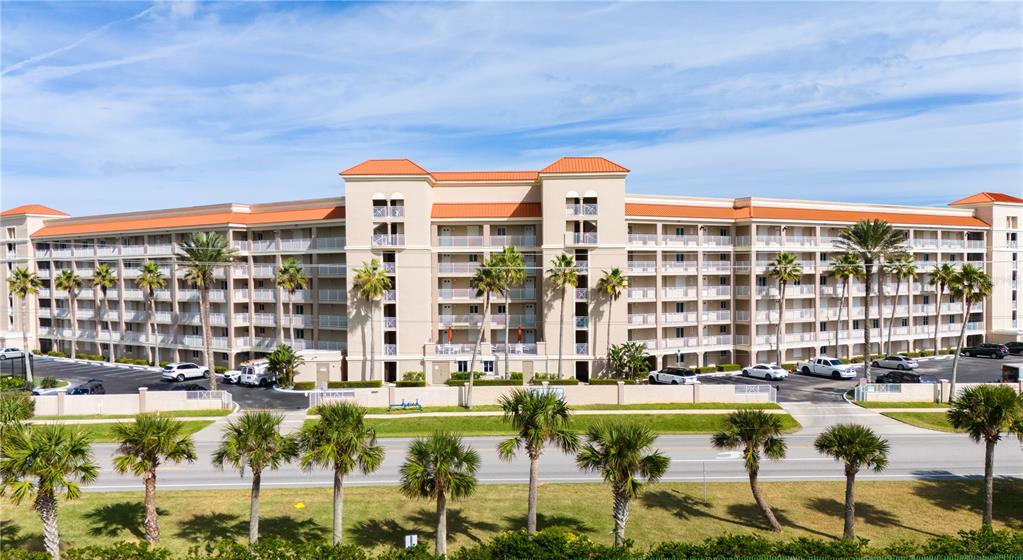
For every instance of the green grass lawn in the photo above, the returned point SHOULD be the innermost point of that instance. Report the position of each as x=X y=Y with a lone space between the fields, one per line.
x=495 y=425
x=176 y=414
x=645 y=406
x=380 y=517
x=104 y=433
x=874 y=404
x=929 y=420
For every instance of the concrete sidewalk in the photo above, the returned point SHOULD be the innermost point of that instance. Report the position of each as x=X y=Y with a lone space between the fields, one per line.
x=816 y=417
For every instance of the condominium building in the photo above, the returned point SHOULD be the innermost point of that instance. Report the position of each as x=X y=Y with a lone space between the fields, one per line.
x=698 y=292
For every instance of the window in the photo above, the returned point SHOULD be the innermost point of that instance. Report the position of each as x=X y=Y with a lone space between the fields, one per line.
x=501 y=231
x=680 y=257
x=824 y=325
x=905 y=322
x=488 y=366
x=11 y=233
x=473 y=257
x=722 y=329
x=873 y=323
x=824 y=280
x=856 y=324
x=680 y=332
x=195 y=353
x=723 y=281
x=723 y=304
x=680 y=231
x=927 y=299
x=723 y=232
x=195 y=330
x=927 y=320
x=474 y=309
x=761 y=281
x=260 y=307
x=502 y=309
x=299 y=310
x=462 y=366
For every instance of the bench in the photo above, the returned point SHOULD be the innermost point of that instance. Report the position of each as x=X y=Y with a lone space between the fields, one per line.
x=405 y=405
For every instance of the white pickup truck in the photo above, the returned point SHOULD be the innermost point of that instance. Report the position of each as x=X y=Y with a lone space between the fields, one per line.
x=826 y=367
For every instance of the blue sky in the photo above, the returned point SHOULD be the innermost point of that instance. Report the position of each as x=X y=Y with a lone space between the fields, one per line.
x=124 y=106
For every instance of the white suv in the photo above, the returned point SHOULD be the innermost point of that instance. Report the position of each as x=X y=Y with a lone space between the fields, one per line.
x=183 y=371
x=11 y=353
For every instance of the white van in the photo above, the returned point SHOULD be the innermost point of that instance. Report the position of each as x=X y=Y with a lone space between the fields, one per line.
x=258 y=375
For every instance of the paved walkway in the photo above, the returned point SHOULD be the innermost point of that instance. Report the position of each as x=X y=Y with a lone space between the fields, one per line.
x=816 y=417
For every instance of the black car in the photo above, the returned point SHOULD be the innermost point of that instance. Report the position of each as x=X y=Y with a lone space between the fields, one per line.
x=188 y=387
x=91 y=387
x=988 y=350
x=906 y=377
x=1015 y=347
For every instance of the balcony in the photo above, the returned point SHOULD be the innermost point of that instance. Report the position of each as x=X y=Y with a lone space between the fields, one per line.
x=160 y=249
x=581 y=238
x=332 y=270
x=104 y=251
x=721 y=267
x=390 y=349
x=390 y=267
x=582 y=322
x=385 y=240
x=264 y=319
x=582 y=348
x=925 y=243
x=188 y=295
x=521 y=348
x=498 y=320
x=769 y=240
x=716 y=241
x=263 y=245
x=953 y=244
x=642 y=239
x=333 y=321
x=800 y=241
x=459 y=240
x=390 y=295
x=925 y=266
x=720 y=340
x=133 y=249
x=686 y=342
x=451 y=349
x=681 y=240
x=717 y=292
x=330 y=242
x=687 y=318
x=471 y=319
x=264 y=295
x=581 y=209
x=513 y=241
x=976 y=244
x=458 y=267
x=723 y=315
x=457 y=293
x=333 y=295
x=742 y=291
x=582 y=294
x=800 y=337
x=678 y=293
x=642 y=319
x=678 y=267
x=642 y=293
x=518 y=293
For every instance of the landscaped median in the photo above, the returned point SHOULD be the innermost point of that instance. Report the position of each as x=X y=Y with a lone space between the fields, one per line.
x=380 y=517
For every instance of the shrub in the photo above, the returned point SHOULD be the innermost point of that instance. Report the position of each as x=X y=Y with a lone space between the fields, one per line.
x=924 y=353
x=791 y=366
x=410 y=384
x=947 y=351
x=549 y=544
x=354 y=384
x=464 y=376
x=56 y=354
x=484 y=382
x=856 y=359
x=413 y=376
x=219 y=369
x=163 y=363
x=94 y=357
x=14 y=384
x=119 y=551
x=132 y=361
x=729 y=367
x=49 y=383
x=16 y=406
x=304 y=385
x=516 y=375
x=610 y=381
x=706 y=369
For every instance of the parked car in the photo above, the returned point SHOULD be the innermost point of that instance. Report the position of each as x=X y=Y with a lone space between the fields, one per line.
x=905 y=377
x=988 y=350
x=232 y=376
x=184 y=370
x=258 y=375
x=188 y=387
x=91 y=387
x=1015 y=348
x=827 y=367
x=673 y=376
x=895 y=362
x=11 y=353
x=769 y=372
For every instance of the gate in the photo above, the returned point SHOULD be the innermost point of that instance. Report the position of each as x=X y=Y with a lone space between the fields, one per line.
x=747 y=393
x=316 y=398
x=226 y=401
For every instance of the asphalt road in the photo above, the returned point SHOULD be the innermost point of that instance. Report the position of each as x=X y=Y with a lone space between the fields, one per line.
x=925 y=456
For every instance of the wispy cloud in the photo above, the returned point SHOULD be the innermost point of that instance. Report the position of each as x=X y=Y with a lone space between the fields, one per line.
x=135 y=106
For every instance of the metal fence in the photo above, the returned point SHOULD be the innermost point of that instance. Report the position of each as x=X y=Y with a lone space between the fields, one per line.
x=745 y=391
x=226 y=401
x=316 y=398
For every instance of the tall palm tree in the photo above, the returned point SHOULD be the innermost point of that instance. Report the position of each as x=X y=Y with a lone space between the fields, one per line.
x=45 y=462
x=563 y=273
x=872 y=241
x=971 y=285
x=283 y=362
x=439 y=467
x=984 y=412
x=104 y=278
x=755 y=432
x=785 y=269
x=856 y=446
x=340 y=441
x=149 y=280
x=369 y=284
x=291 y=278
x=942 y=277
x=71 y=282
x=623 y=454
x=145 y=444
x=844 y=268
x=539 y=418
x=201 y=255
x=901 y=267
x=487 y=280
x=22 y=284
x=612 y=285
x=512 y=268
x=255 y=441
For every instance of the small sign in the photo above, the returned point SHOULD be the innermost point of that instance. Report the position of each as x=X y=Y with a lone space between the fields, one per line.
x=411 y=540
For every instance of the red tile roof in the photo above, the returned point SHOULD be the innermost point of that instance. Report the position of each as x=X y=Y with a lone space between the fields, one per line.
x=194 y=220
x=33 y=209
x=776 y=213
x=584 y=165
x=385 y=167
x=983 y=197
x=482 y=176
x=488 y=210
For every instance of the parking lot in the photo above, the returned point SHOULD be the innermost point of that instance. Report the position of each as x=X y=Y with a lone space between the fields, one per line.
x=119 y=379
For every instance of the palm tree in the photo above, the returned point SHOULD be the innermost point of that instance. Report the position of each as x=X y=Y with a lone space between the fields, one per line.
x=971 y=285
x=21 y=285
x=512 y=268
x=71 y=283
x=942 y=277
x=145 y=444
x=539 y=417
x=984 y=412
x=370 y=283
x=255 y=441
x=340 y=441
x=149 y=280
x=47 y=461
x=439 y=467
x=872 y=241
x=785 y=269
x=902 y=267
x=487 y=280
x=103 y=278
x=856 y=446
x=291 y=278
x=563 y=273
x=283 y=362
x=612 y=284
x=202 y=254
x=755 y=432
x=623 y=454
x=845 y=267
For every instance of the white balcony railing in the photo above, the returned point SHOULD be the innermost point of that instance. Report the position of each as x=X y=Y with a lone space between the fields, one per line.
x=676 y=267
x=642 y=293
x=583 y=238
x=643 y=319
x=460 y=241
x=678 y=293
x=681 y=240
x=675 y=318
x=384 y=240
x=642 y=239
x=330 y=243
x=581 y=209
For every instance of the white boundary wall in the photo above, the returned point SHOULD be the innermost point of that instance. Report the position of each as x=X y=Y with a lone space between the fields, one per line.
x=62 y=404
x=917 y=392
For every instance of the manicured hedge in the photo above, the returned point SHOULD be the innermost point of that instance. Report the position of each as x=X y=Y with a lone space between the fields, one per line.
x=304 y=385
x=484 y=382
x=413 y=376
x=610 y=381
x=56 y=354
x=789 y=366
x=355 y=384
x=219 y=369
x=410 y=384
x=924 y=353
x=706 y=369
x=562 y=381
x=729 y=367
x=132 y=361
x=464 y=375
x=94 y=357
